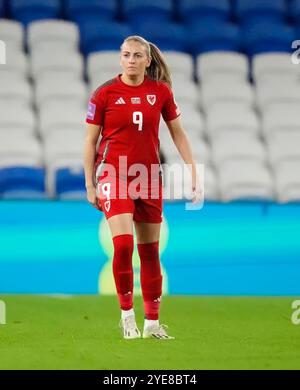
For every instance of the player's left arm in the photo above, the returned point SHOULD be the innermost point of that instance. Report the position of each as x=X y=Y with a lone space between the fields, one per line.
x=182 y=143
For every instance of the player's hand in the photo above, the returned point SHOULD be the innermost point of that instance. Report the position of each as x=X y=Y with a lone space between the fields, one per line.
x=92 y=197
x=197 y=191
x=197 y=195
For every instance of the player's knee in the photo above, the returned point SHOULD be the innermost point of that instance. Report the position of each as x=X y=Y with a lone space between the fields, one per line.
x=148 y=251
x=123 y=246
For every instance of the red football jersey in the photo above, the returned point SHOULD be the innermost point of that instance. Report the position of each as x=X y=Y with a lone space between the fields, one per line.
x=129 y=117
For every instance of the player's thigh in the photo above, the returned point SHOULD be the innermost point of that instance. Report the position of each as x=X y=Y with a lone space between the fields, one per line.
x=147 y=232
x=121 y=224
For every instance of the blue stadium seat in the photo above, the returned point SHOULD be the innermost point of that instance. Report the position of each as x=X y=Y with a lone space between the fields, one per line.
x=2 y=9
x=167 y=36
x=138 y=12
x=26 y=11
x=250 y=11
x=294 y=10
x=69 y=184
x=83 y=10
x=194 y=11
x=223 y=36
x=22 y=183
x=97 y=36
x=267 y=37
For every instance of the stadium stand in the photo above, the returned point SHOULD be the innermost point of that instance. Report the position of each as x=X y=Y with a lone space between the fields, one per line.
x=140 y=12
x=287 y=182
x=191 y=11
x=248 y=11
x=16 y=67
x=1 y=8
x=168 y=36
x=251 y=180
x=61 y=33
x=269 y=67
x=264 y=37
x=226 y=64
x=235 y=83
x=203 y=38
x=27 y=11
x=97 y=36
x=80 y=11
x=65 y=178
x=12 y=33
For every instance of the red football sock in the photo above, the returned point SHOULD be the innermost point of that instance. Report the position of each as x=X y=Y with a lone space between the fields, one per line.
x=151 y=278
x=122 y=269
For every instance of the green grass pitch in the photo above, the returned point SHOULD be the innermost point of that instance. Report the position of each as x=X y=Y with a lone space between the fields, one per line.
x=211 y=333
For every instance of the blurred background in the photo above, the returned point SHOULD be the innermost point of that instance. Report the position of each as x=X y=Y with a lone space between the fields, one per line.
x=236 y=79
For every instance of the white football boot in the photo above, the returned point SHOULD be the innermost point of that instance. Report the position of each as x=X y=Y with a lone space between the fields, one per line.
x=129 y=328
x=157 y=332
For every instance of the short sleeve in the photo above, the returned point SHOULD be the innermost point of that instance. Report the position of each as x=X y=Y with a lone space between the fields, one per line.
x=96 y=107
x=170 y=110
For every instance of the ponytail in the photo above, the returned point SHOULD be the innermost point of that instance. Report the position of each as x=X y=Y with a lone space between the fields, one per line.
x=158 y=69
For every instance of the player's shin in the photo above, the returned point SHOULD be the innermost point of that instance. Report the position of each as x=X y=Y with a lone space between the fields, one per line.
x=151 y=279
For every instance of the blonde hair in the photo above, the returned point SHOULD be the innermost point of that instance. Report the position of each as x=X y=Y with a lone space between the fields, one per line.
x=158 y=69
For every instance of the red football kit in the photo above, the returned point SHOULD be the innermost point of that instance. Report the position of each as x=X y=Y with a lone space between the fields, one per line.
x=129 y=117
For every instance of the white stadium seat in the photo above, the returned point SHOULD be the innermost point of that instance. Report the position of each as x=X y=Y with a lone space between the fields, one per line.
x=281 y=118
x=56 y=77
x=211 y=187
x=99 y=79
x=234 y=136
x=17 y=117
x=213 y=93
x=180 y=64
x=106 y=62
x=223 y=78
x=57 y=117
x=268 y=94
x=17 y=65
x=227 y=64
x=20 y=149
x=15 y=89
x=232 y=117
x=269 y=67
x=60 y=153
x=245 y=181
x=59 y=145
x=238 y=150
x=200 y=148
x=185 y=92
x=59 y=32
x=192 y=120
x=12 y=33
x=44 y=61
x=68 y=91
x=287 y=181
x=284 y=148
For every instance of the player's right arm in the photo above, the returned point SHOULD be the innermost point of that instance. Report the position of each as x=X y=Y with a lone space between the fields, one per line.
x=91 y=139
x=94 y=121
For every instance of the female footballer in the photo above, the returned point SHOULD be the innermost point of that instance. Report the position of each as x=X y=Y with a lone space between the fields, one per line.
x=124 y=176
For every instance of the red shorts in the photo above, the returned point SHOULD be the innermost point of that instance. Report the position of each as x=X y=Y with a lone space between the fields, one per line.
x=118 y=196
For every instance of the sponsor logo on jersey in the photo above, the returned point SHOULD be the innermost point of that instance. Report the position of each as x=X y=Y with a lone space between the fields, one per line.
x=91 y=111
x=136 y=100
x=120 y=101
x=151 y=99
